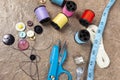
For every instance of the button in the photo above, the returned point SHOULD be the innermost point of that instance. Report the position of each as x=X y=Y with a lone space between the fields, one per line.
x=23 y=44
x=38 y=29
x=30 y=33
x=33 y=38
x=22 y=34
x=32 y=57
x=43 y=1
x=30 y=23
x=20 y=26
x=8 y=39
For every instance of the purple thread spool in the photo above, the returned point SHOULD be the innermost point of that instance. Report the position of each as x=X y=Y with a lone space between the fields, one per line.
x=42 y=14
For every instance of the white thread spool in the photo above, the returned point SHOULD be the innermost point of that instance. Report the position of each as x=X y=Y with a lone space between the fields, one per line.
x=102 y=59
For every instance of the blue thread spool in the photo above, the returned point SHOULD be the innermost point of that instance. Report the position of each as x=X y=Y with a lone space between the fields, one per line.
x=82 y=36
x=59 y=2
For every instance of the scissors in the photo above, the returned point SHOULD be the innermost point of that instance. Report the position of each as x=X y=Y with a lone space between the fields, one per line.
x=57 y=58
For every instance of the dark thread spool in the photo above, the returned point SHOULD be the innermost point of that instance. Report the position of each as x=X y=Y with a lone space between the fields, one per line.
x=87 y=18
x=42 y=14
x=82 y=36
x=69 y=8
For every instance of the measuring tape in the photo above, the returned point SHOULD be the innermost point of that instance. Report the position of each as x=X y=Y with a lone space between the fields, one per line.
x=98 y=36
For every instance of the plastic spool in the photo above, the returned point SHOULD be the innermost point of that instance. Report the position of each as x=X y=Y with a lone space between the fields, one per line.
x=59 y=21
x=69 y=8
x=8 y=39
x=102 y=60
x=79 y=73
x=23 y=44
x=79 y=60
x=42 y=14
x=20 y=26
x=82 y=36
x=87 y=18
x=59 y=2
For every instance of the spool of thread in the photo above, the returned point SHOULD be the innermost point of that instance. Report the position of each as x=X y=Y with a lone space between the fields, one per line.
x=59 y=21
x=69 y=8
x=87 y=17
x=42 y=14
x=59 y=2
x=82 y=36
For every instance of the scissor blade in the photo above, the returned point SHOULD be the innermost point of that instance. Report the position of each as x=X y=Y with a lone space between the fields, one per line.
x=62 y=53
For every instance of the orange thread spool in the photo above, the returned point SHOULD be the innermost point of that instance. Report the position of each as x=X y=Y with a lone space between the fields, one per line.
x=87 y=18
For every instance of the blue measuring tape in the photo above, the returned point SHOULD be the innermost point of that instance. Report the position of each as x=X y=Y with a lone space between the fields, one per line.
x=98 y=36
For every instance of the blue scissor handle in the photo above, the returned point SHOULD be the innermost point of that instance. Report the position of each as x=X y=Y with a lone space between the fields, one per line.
x=61 y=71
x=53 y=62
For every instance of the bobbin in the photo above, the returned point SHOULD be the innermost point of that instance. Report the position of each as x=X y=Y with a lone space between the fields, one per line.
x=82 y=36
x=59 y=2
x=42 y=14
x=59 y=21
x=69 y=8
x=87 y=17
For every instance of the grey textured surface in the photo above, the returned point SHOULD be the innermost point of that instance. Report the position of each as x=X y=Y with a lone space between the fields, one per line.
x=13 y=11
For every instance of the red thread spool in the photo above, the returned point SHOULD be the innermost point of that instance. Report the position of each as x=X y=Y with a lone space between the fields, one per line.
x=87 y=18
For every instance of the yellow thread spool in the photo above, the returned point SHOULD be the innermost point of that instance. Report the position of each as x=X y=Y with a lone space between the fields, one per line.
x=59 y=21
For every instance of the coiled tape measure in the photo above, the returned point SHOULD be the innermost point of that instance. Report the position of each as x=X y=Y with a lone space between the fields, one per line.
x=98 y=36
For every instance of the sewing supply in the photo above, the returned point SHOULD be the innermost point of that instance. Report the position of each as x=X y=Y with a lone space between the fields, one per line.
x=42 y=14
x=22 y=34
x=59 y=21
x=102 y=59
x=38 y=29
x=59 y=2
x=8 y=39
x=87 y=17
x=57 y=58
x=23 y=44
x=82 y=36
x=98 y=36
x=30 y=23
x=20 y=26
x=69 y=8
x=30 y=33
x=79 y=73
x=79 y=60
x=43 y=1
x=32 y=57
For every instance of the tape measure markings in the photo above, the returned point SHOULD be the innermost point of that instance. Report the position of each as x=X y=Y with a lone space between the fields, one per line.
x=98 y=37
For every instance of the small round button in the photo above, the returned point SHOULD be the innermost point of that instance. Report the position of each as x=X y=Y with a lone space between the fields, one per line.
x=38 y=29
x=23 y=44
x=32 y=57
x=8 y=39
x=22 y=34
x=30 y=33
x=20 y=26
x=30 y=23
x=33 y=38
x=43 y=1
